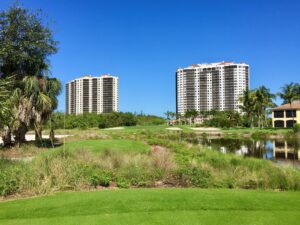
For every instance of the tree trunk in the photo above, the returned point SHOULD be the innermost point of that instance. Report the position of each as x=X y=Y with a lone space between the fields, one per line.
x=38 y=126
x=38 y=133
x=6 y=137
x=20 y=134
x=52 y=136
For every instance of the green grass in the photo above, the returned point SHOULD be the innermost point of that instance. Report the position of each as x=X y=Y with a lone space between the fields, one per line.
x=109 y=144
x=156 y=206
x=253 y=130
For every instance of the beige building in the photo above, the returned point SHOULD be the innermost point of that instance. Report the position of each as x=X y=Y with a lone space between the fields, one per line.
x=286 y=115
x=204 y=87
x=90 y=94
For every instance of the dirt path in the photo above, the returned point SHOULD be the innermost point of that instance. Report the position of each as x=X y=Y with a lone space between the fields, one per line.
x=31 y=137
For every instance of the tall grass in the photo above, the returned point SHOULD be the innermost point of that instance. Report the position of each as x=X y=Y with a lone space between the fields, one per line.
x=74 y=170
x=175 y=159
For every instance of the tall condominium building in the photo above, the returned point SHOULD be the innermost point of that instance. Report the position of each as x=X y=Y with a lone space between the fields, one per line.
x=92 y=94
x=204 y=87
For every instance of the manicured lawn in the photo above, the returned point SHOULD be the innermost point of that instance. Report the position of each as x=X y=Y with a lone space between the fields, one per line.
x=156 y=206
x=108 y=144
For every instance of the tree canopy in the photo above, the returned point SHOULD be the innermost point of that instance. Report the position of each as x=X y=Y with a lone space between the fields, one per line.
x=31 y=96
x=25 y=43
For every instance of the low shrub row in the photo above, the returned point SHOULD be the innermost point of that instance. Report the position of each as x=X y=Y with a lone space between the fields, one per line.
x=105 y=120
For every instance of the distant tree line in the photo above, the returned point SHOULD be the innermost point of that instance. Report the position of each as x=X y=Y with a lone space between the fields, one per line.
x=255 y=108
x=105 y=120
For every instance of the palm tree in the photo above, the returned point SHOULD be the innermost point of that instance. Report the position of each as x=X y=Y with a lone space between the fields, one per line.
x=53 y=89
x=173 y=115
x=5 y=91
x=46 y=103
x=168 y=114
x=191 y=114
x=255 y=104
x=247 y=106
x=27 y=100
x=290 y=92
x=263 y=101
x=6 y=118
x=35 y=101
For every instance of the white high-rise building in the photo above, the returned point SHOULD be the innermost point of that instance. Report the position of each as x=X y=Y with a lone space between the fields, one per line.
x=217 y=86
x=92 y=94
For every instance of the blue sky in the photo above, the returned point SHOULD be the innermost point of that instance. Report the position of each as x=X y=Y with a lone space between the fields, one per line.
x=143 y=42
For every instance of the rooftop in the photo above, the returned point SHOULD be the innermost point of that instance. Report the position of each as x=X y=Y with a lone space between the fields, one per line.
x=92 y=77
x=295 y=105
x=205 y=65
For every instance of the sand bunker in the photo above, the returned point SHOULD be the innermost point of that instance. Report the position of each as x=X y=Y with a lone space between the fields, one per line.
x=173 y=128
x=205 y=129
x=115 y=128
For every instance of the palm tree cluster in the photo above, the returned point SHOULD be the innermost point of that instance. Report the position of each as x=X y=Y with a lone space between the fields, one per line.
x=28 y=95
x=256 y=105
x=190 y=115
x=170 y=115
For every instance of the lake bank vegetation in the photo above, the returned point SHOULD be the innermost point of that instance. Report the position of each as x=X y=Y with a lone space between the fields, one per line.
x=137 y=158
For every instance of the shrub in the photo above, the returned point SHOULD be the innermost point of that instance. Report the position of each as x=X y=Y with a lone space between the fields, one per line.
x=9 y=182
x=103 y=179
x=122 y=183
x=296 y=128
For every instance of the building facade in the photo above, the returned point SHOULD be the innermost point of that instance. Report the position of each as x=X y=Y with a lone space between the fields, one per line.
x=286 y=115
x=89 y=94
x=204 y=87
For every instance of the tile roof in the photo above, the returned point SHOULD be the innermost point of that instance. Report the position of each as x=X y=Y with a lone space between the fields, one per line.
x=295 y=105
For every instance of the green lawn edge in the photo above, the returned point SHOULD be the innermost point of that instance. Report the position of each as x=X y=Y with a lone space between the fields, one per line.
x=156 y=206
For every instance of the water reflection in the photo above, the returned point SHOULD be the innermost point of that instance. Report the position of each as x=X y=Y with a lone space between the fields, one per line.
x=285 y=152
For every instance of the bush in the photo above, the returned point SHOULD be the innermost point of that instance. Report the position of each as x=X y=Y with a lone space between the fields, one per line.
x=103 y=179
x=224 y=119
x=9 y=183
x=122 y=183
x=296 y=128
x=103 y=123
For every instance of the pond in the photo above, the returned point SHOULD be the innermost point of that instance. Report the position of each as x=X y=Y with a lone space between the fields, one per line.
x=283 y=152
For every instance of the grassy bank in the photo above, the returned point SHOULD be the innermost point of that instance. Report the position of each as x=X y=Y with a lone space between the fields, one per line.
x=138 y=158
x=149 y=156
x=156 y=206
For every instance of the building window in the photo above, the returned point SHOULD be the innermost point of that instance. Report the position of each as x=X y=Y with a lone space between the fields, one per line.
x=279 y=123
x=290 y=123
x=290 y=113
x=278 y=114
